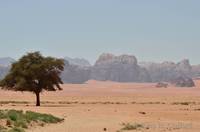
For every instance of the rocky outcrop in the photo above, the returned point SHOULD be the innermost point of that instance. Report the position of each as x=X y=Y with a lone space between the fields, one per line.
x=110 y=58
x=168 y=71
x=184 y=65
x=123 y=68
x=161 y=85
x=75 y=74
x=77 y=61
x=183 y=82
x=196 y=71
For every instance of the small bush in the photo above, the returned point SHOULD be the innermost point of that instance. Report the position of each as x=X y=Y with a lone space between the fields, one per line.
x=47 y=118
x=21 y=123
x=16 y=129
x=183 y=103
x=2 y=114
x=14 y=102
x=128 y=126
x=14 y=115
x=18 y=120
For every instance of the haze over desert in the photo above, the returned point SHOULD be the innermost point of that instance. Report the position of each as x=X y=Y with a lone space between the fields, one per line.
x=99 y=66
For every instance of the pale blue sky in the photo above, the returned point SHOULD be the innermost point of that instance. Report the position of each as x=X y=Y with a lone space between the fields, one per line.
x=152 y=30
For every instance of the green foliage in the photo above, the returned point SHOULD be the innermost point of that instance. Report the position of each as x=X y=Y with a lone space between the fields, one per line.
x=3 y=114
x=128 y=126
x=18 y=120
x=47 y=118
x=16 y=129
x=34 y=73
x=14 y=115
x=21 y=123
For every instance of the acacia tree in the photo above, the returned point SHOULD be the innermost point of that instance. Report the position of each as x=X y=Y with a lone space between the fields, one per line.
x=34 y=73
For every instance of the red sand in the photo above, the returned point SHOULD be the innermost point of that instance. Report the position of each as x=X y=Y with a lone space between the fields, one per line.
x=102 y=105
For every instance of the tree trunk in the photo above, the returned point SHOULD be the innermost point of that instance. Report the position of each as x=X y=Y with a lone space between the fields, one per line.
x=37 y=99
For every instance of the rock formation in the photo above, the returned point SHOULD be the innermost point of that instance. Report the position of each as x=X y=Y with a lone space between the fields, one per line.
x=161 y=85
x=78 y=61
x=168 y=71
x=183 y=82
x=123 y=68
x=196 y=71
x=75 y=73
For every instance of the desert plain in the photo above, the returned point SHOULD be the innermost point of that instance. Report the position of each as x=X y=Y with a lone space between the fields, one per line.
x=97 y=106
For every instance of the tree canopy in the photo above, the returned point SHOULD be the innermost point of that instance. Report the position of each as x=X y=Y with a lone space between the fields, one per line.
x=35 y=73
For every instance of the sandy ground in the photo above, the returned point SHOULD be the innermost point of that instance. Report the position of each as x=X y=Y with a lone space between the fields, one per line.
x=93 y=106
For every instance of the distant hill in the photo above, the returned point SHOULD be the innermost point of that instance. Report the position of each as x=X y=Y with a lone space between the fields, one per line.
x=78 y=61
x=6 y=61
x=122 y=68
x=167 y=71
x=196 y=71
x=75 y=73
x=76 y=70
x=3 y=71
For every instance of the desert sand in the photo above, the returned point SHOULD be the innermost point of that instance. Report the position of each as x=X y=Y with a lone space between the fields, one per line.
x=95 y=106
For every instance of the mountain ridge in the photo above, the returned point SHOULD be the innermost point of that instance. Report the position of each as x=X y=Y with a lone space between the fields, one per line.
x=121 y=68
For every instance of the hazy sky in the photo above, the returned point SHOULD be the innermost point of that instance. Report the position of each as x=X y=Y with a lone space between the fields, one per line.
x=152 y=30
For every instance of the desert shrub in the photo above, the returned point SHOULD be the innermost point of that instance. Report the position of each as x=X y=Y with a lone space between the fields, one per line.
x=18 y=120
x=14 y=115
x=16 y=129
x=2 y=114
x=47 y=118
x=183 y=82
x=21 y=123
x=183 y=103
x=14 y=102
x=128 y=126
